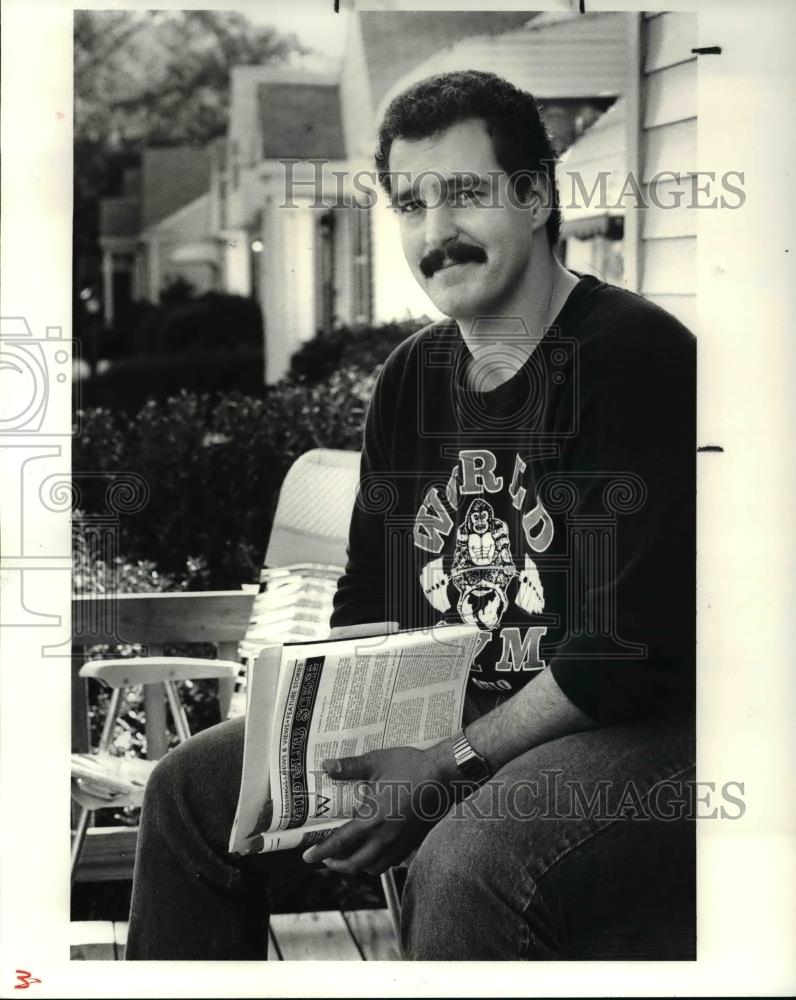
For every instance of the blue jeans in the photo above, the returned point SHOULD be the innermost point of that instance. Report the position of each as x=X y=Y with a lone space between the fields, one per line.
x=574 y=837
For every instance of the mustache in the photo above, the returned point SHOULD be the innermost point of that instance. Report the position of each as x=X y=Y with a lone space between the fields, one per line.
x=455 y=253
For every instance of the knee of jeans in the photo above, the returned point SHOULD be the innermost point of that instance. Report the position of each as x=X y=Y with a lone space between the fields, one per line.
x=169 y=781
x=450 y=863
x=448 y=881
x=161 y=783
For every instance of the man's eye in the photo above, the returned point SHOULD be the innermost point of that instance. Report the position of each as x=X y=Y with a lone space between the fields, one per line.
x=407 y=207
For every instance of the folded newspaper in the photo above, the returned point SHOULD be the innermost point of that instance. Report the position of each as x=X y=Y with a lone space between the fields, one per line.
x=309 y=701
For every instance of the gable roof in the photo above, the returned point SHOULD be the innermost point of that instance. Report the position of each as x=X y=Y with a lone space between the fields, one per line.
x=395 y=41
x=300 y=120
x=601 y=150
x=172 y=177
x=553 y=56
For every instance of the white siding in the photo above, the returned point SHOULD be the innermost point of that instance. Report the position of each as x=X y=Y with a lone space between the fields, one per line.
x=670 y=39
x=343 y=285
x=667 y=245
x=670 y=215
x=237 y=270
x=288 y=292
x=355 y=97
x=669 y=266
x=672 y=147
x=671 y=94
x=244 y=130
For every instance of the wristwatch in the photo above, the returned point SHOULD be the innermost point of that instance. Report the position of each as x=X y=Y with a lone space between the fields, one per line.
x=471 y=765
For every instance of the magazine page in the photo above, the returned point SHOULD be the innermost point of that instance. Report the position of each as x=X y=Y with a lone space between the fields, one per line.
x=255 y=788
x=342 y=699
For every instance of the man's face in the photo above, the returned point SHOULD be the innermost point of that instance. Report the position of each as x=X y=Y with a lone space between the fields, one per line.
x=441 y=207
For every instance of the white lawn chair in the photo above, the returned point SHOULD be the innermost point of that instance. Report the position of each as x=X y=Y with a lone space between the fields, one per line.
x=102 y=780
x=305 y=557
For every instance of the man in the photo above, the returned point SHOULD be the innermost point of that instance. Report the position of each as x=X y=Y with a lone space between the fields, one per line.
x=539 y=449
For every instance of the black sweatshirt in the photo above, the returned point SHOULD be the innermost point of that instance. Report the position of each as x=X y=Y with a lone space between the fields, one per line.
x=556 y=512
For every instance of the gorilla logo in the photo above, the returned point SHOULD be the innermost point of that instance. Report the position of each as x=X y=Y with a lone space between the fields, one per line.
x=482 y=566
x=482 y=569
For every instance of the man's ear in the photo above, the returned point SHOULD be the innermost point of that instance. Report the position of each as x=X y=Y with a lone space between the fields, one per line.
x=537 y=200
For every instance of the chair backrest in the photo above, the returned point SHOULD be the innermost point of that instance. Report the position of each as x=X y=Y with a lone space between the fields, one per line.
x=313 y=513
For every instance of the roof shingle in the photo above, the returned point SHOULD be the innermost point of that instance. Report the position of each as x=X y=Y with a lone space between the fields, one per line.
x=301 y=120
x=395 y=41
x=172 y=177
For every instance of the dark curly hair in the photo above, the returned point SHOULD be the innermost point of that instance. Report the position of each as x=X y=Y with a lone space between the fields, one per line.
x=511 y=117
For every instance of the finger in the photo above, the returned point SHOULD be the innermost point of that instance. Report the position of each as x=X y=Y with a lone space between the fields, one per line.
x=340 y=843
x=348 y=768
x=373 y=858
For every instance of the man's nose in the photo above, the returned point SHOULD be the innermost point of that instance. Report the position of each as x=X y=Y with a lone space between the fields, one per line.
x=440 y=226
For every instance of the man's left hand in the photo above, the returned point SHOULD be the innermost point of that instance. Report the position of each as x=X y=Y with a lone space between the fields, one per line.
x=405 y=791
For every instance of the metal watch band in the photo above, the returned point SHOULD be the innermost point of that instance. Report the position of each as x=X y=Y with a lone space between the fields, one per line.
x=470 y=764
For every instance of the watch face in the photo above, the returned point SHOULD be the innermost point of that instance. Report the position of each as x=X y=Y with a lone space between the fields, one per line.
x=474 y=769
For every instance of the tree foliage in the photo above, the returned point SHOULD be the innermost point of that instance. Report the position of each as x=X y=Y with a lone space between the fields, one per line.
x=149 y=78
x=163 y=77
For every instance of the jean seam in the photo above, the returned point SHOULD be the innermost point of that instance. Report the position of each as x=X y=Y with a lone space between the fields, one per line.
x=535 y=891
x=610 y=825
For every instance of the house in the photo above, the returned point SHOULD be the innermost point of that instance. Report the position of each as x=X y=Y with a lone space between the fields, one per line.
x=661 y=232
x=285 y=209
x=163 y=226
x=287 y=245
x=590 y=177
x=297 y=233
x=574 y=65
x=640 y=157
x=644 y=235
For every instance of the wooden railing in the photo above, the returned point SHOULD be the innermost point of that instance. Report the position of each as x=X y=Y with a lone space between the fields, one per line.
x=153 y=621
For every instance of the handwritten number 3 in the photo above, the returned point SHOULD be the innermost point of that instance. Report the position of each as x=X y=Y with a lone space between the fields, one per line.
x=25 y=980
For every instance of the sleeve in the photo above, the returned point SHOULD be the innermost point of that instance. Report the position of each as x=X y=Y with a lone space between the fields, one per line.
x=631 y=600
x=361 y=595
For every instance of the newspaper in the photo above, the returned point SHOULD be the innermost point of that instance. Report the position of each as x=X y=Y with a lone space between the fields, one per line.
x=310 y=701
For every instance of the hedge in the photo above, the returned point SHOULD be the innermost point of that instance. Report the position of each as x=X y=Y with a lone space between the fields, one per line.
x=214 y=322
x=183 y=324
x=213 y=466
x=360 y=348
x=130 y=382
x=215 y=344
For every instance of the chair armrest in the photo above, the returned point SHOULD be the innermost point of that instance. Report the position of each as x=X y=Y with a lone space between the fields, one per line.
x=155 y=669
x=364 y=631
x=321 y=571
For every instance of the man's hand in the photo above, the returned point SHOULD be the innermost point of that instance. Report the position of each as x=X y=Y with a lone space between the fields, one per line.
x=404 y=792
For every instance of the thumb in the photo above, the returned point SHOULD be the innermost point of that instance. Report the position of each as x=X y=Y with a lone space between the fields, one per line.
x=347 y=768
